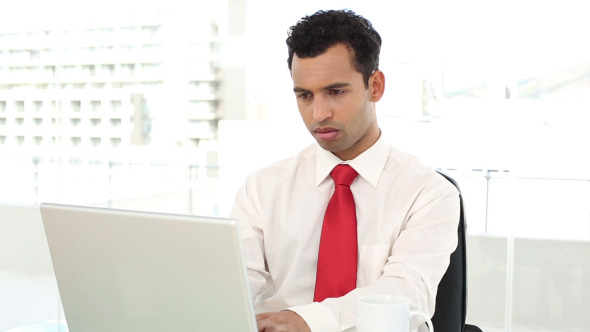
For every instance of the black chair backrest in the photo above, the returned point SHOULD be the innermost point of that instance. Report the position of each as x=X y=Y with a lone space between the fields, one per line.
x=451 y=298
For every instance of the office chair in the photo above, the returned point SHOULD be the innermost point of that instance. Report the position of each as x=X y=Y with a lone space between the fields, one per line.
x=451 y=297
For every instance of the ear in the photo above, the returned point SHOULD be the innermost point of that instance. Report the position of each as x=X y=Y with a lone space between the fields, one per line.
x=377 y=85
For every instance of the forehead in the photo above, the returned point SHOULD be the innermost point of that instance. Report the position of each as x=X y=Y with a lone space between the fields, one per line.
x=334 y=65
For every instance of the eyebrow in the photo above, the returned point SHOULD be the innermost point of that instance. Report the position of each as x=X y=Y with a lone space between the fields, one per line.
x=329 y=87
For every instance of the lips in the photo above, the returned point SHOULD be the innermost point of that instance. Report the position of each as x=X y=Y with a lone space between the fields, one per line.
x=326 y=134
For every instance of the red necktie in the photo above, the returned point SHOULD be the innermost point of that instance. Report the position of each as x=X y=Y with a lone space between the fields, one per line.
x=338 y=254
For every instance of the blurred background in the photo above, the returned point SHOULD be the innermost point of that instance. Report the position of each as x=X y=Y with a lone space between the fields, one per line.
x=168 y=105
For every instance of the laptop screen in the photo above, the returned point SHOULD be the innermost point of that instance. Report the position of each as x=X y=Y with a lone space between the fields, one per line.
x=121 y=270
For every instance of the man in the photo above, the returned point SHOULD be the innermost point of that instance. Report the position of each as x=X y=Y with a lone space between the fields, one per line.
x=406 y=213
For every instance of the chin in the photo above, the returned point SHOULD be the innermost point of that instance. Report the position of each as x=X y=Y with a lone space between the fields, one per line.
x=329 y=147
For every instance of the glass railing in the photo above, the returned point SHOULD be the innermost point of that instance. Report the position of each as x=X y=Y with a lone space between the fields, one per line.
x=528 y=237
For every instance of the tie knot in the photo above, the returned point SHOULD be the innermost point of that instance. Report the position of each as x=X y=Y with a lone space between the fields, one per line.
x=343 y=175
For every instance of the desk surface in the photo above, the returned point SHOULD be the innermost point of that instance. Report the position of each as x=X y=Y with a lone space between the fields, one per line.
x=61 y=326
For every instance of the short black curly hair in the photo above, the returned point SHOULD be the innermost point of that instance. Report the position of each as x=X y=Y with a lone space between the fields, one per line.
x=315 y=34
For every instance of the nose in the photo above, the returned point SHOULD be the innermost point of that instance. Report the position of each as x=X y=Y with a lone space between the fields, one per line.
x=321 y=109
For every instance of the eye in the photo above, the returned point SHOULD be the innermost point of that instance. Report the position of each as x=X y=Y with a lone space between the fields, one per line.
x=304 y=95
x=336 y=92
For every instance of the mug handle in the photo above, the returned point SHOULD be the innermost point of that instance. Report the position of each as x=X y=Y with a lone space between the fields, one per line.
x=423 y=315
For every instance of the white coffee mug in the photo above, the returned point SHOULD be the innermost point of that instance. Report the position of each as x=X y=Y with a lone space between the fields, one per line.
x=386 y=313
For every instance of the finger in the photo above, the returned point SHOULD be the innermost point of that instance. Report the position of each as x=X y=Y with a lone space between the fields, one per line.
x=263 y=315
x=261 y=323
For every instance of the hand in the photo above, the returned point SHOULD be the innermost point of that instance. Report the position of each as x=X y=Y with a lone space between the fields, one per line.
x=281 y=321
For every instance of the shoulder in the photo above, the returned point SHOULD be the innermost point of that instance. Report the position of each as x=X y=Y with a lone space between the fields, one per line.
x=409 y=171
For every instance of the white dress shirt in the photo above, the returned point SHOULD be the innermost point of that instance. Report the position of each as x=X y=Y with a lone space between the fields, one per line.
x=407 y=218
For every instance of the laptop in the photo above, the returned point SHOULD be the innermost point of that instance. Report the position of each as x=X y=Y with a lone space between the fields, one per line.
x=120 y=270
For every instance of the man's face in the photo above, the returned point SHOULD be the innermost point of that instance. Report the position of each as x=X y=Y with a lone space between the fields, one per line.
x=334 y=102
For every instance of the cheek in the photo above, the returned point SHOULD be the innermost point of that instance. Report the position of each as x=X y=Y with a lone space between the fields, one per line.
x=362 y=116
x=305 y=112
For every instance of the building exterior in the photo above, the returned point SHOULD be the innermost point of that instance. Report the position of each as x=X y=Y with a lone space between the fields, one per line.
x=152 y=80
x=100 y=104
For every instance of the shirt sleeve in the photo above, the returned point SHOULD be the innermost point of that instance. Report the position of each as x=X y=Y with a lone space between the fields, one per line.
x=247 y=215
x=417 y=262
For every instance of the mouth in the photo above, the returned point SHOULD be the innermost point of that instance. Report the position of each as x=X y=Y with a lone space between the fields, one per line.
x=326 y=134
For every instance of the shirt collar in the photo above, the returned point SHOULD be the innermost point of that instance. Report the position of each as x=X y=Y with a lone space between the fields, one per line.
x=368 y=164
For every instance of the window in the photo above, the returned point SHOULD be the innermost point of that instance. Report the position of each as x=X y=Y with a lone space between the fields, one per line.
x=19 y=106
x=89 y=70
x=18 y=56
x=115 y=142
x=150 y=69
x=95 y=106
x=50 y=71
x=150 y=32
x=69 y=70
x=128 y=69
x=115 y=106
x=108 y=70
x=37 y=105
x=75 y=106
x=34 y=55
x=115 y=122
